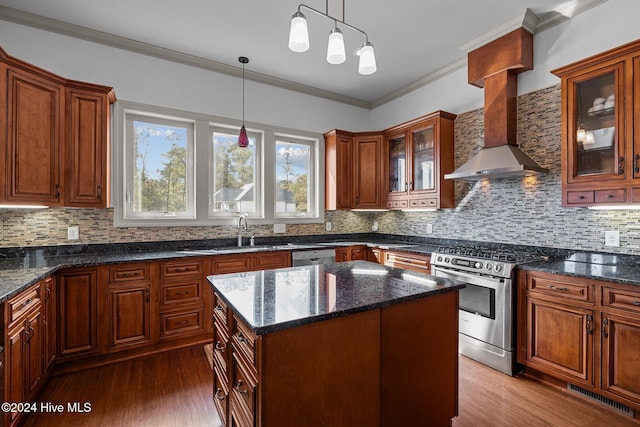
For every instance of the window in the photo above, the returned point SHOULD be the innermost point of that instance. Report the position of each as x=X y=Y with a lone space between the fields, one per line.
x=177 y=168
x=294 y=166
x=235 y=174
x=161 y=156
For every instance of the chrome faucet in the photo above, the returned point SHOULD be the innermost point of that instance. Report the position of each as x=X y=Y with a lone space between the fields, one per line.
x=242 y=226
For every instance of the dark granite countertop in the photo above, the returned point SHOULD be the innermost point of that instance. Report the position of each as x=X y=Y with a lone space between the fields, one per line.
x=273 y=300
x=623 y=269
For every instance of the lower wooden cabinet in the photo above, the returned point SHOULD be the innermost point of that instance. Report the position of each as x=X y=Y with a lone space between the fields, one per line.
x=130 y=322
x=351 y=253
x=408 y=261
x=585 y=332
x=49 y=317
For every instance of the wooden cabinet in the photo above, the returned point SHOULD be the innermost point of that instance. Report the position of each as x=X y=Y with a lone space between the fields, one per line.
x=23 y=349
x=338 y=158
x=585 y=332
x=351 y=253
x=49 y=324
x=78 y=313
x=57 y=127
x=182 y=298
x=408 y=261
x=417 y=154
x=367 y=171
x=88 y=118
x=600 y=128
x=237 y=263
x=376 y=255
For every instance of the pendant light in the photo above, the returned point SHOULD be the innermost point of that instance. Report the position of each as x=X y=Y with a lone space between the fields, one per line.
x=243 y=139
x=299 y=40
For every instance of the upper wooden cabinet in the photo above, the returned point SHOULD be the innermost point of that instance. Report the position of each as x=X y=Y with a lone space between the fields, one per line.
x=417 y=154
x=57 y=127
x=402 y=167
x=600 y=128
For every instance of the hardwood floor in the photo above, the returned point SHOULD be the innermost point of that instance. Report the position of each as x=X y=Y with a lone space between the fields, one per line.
x=175 y=389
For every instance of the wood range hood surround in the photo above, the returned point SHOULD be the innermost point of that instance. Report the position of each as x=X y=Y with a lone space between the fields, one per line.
x=495 y=67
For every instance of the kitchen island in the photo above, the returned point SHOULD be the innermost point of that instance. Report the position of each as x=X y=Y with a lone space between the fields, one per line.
x=345 y=344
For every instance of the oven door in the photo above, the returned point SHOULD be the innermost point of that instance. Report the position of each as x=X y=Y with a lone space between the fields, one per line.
x=484 y=307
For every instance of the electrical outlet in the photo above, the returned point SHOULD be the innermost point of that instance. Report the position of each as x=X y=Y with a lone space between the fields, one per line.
x=279 y=228
x=612 y=238
x=374 y=227
x=73 y=233
x=429 y=228
x=327 y=226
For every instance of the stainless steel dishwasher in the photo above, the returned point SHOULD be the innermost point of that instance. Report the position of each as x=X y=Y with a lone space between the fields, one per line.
x=313 y=257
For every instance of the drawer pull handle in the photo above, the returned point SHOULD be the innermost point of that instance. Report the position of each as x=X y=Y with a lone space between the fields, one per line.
x=182 y=322
x=182 y=293
x=605 y=324
x=590 y=325
x=219 y=307
x=554 y=288
x=636 y=169
x=27 y=302
x=581 y=197
x=220 y=346
x=241 y=338
x=636 y=303
x=219 y=395
x=609 y=196
x=621 y=166
x=240 y=389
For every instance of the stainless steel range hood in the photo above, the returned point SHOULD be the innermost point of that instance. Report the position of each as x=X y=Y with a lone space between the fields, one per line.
x=497 y=162
x=495 y=67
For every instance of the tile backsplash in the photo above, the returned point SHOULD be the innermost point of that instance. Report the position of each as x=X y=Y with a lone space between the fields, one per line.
x=523 y=211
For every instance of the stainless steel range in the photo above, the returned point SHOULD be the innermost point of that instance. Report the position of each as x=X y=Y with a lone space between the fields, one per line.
x=486 y=308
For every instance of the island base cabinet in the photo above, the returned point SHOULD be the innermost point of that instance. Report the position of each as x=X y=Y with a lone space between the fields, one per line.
x=620 y=357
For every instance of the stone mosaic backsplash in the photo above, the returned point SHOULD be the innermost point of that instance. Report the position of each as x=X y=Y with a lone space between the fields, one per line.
x=524 y=211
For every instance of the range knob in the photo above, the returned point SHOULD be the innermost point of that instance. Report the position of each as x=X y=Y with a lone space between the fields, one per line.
x=446 y=260
x=498 y=267
x=478 y=265
x=489 y=266
x=439 y=259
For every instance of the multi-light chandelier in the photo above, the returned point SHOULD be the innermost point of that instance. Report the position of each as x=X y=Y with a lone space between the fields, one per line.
x=299 y=41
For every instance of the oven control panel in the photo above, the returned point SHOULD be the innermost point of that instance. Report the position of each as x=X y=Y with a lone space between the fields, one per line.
x=489 y=267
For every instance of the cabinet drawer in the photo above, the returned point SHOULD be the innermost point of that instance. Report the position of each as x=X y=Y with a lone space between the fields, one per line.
x=420 y=263
x=130 y=272
x=220 y=394
x=560 y=289
x=24 y=302
x=270 y=260
x=396 y=204
x=635 y=194
x=222 y=264
x=622 y=299
x=220 y=347
x=173 y=294
x=245 y=342
x=181 y=322
x=611 y=196
x=220 y=311
x=580 y=197
x=180 y=269
x=423 y=203
x=243 y=387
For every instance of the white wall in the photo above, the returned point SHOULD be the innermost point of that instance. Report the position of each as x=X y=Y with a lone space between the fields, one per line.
x=606 y=26
x=149 y=80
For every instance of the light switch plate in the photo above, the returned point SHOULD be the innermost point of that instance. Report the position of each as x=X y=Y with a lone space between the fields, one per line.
x=327 y=226
x=279 y=228
x=612 y=238
x=73 y=233
x=429 y=228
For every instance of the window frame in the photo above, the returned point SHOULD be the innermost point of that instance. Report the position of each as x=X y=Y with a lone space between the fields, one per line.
x=202 y=172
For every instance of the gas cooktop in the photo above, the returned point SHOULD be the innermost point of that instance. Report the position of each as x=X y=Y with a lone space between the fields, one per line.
x=506 y=255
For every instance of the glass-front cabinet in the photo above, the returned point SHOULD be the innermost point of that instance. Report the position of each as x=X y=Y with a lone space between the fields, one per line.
x=418 y=154
x=600 y=121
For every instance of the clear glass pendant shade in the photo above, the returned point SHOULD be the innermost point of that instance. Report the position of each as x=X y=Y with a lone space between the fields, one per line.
x=367 y=64
x=298 y=34
x=335 y=47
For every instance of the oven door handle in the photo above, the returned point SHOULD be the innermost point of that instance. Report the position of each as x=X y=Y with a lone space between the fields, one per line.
x=471 y=278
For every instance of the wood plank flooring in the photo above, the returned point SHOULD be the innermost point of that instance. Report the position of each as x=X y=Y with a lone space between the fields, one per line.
x=175 y=389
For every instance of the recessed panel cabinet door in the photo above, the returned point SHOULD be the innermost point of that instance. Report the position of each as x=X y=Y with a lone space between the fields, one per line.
x=367 y=174
x=87 y=173
x=35 y=110
x=129 y=316
x=620 y=361
x=78 y=318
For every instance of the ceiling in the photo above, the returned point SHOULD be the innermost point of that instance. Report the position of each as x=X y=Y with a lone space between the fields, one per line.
x=415 y=40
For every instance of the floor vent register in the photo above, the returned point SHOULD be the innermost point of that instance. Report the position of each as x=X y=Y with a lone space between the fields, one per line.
x=604 y=400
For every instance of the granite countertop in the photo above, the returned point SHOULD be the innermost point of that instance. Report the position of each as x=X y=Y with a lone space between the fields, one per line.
x=273 y=300
x=623 y=269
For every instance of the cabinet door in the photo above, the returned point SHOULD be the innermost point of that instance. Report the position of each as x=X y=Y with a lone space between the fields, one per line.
x=86 y=181
x=129 y=316
x=620 y=362
x=15 y=357
x=396 y=157
x=269 y=260
x=342 y=254
x=560 y=340
x=33 y=352
x=338 y=170
x=34 y=116
x=78 y=316
x=358 y=253
x=423 y=159
x=367 y=192
x=595 y=125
